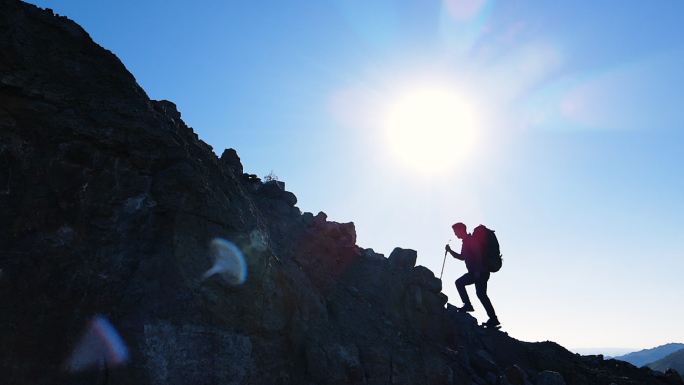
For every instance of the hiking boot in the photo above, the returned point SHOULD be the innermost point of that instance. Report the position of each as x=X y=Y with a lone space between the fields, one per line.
x=492 y=323
x=465 y=308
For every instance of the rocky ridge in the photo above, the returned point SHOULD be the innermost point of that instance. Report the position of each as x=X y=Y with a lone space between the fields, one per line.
x=108 y=202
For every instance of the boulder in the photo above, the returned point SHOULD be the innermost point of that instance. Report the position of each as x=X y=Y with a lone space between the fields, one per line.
x=548 y=377
x=514 y=375
x=424 y=277
x=403 y=258
x=289 y=198
x=483 y=363
x=272 y=189
x=307 y=219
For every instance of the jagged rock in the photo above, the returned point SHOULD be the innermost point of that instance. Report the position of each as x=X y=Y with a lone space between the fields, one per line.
x=326 y=249
x=273 y=189
x=657 y=374
x=671 y=377
x=289 y=198
x=483 y=363
x=321 y=218
x=275 y=198
x=168 y=108
x=307 y=219
x=231 y=159
x=370 y=253
x=548 y=377
x=426 y=278
x=252 y=182
x=404 y=258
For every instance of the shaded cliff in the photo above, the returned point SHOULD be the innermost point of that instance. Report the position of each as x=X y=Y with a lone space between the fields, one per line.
x=108 y=203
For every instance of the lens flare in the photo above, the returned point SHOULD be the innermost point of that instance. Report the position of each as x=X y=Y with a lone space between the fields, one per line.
x=100 y=346
x=229 y=262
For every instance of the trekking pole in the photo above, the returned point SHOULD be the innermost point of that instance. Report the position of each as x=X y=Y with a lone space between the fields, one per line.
x=443 y=263
x=442 y=273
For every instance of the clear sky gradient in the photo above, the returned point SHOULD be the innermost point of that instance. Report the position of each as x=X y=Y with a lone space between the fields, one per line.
x=558 y=124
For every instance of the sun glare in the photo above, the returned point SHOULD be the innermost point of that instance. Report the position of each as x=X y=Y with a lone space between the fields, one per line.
x=430 y=129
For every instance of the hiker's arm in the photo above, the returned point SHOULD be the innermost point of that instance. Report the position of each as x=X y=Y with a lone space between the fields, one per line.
x=453 y=253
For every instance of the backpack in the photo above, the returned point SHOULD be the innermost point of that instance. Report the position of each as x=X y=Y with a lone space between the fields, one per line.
x=489 y=247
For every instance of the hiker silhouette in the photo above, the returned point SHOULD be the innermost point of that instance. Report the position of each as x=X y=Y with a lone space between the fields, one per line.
x=478 y=274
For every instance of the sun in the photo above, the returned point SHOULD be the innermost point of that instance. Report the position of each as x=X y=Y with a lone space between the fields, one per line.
x=430 y=129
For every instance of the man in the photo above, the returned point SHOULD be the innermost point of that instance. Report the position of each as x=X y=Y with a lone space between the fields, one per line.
x=477 y=274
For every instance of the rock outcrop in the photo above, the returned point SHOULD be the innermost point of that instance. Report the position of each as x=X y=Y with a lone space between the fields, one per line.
x=108 y=203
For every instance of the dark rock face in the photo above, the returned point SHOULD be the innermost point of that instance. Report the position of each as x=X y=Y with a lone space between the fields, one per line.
x=108 y=202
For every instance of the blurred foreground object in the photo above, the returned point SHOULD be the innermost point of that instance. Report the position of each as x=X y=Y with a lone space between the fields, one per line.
x=100 y=346
x=228 y=262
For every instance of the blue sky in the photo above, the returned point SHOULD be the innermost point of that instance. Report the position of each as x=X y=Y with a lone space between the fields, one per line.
x=567 y=140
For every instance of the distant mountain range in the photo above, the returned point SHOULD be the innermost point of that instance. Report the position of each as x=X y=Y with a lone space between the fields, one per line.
x=674 y=361
x=607 y=352
x=647 y=356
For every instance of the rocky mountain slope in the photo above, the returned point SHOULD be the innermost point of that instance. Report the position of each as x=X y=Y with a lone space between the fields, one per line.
x=674 y=361
x=108 y=204
x=646 y=356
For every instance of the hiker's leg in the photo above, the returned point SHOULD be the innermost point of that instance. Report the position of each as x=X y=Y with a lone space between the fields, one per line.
x=481 y=290
x=461 y=283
